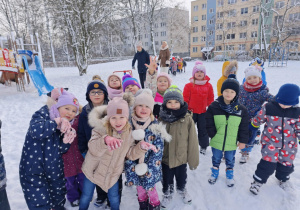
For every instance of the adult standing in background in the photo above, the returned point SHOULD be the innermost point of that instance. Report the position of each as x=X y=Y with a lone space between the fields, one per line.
x=142 y=57
x=164 y=57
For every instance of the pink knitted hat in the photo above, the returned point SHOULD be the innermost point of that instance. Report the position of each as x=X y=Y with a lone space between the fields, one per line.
x=199 y=67
x=163 y=74
x=117 y=106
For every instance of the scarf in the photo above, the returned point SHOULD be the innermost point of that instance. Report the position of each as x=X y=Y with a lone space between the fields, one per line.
x=166 y=47
x=170 y=115
x=114 y=92
x=232 y=108
x=140 y=123
x=198 y=82
x=252 y=88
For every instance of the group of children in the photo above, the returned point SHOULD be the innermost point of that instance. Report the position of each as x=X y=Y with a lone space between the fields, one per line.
x=151 y=134
x=177 y=65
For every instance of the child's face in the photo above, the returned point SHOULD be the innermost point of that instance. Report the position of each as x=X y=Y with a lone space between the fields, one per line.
x=173 y=104
x=114 y=82
x=96 y=96
x=284 y=106
x=118 y=122
x=132 y=88
x=67 y=111
x=253 y=80
x=229 y=94
x=162 y=83
x=199 y=75
x=142 y=111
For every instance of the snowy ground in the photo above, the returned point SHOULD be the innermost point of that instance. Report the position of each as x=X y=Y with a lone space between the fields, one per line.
x=16 y=109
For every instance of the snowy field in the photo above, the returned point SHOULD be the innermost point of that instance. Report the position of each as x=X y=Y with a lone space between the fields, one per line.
x=16 y=109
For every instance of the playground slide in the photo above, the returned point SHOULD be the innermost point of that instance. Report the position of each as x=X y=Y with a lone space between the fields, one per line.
x=36 y=74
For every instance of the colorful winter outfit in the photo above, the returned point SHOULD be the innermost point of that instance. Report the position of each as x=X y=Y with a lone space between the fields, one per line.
x=279 y=137
x=182 y=149
x=199 y=95
x=3 y=196
x=143 y=58
x=180 y=65
x=173 y=66
x=227 y=68
x=151 y=82
x=127 y=79
x=114 y=92
x=164 y=58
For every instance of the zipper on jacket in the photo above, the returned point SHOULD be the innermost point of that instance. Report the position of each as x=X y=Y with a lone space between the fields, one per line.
x=225 y=132
x=282 y=124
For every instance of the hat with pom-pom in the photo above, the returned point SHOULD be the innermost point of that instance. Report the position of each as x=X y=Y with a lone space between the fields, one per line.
x=173 y=93
x=231 y=83
x=253 y=71
x=163 y=74
x=288 y=95
x=199 y=67
x=146 y=98
x=129 y=80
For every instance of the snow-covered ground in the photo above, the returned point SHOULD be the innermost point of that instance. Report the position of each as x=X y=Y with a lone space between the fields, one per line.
x=16 y=109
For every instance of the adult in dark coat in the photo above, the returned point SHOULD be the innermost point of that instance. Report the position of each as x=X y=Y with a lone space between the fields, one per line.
x=142 y=57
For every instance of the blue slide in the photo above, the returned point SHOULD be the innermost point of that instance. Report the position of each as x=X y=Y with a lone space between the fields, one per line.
x=35 y=71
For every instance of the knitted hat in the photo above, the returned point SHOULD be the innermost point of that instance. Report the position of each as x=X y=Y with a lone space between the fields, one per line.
x=95 y=84
x=114 y=75
x=163 y=74
x=231 y=83
x=139 y=44
x=288 y=94
x=199 y=67
x=253 y=71
x=129 y=80
x=146 y=98
x=173 y=93
x=117 y=106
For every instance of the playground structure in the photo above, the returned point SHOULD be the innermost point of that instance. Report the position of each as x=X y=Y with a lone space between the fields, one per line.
x=278 y=56
x=19 y=65
x=124 y=72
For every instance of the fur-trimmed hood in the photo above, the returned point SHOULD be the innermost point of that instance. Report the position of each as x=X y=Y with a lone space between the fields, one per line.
x=228 y=67
x=98 y=117
x=160 y=129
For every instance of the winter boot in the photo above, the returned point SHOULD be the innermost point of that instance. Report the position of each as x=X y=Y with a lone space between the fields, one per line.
x=229 y=177
x=99 y=203
x=166 y=200
x=202 y=151
x=255 y=186
x=151 y=207
x=186 y=198
x=144 y=205
x=244 y=157
x=285 y=185
x=214 y=175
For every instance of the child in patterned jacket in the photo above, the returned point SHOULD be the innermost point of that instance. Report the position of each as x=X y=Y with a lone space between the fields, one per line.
x=279 y=137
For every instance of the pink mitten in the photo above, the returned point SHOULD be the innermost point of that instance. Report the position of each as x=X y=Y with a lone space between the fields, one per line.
x=112 y=143
x=147 y=146
x=69 y=136
x=64 y=125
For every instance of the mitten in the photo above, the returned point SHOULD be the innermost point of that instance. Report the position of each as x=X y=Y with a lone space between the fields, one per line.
x=64 y=125
x=148 y=146
x=69 y=136
x=112 y=143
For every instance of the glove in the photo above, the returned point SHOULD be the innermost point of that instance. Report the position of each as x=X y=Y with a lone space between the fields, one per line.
x=62 y=124
x=112 y=143
x=147 y=146
x=133 y=68
x=69 y=136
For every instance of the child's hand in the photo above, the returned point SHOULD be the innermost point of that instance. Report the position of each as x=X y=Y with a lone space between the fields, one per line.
x=69 y=136
x=112 y=143
x=241 y=145
x=64 y=125
x=147 y=146
x=152 y=66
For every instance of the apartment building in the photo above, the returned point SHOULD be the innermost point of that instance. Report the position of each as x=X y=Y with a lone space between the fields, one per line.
x=234 y=27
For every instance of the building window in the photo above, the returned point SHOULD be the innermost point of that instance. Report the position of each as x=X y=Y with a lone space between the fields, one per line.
x=244 y=10
x=195 y=49
x=220 y=14
x=218 y=48
x=253 y=34
x=203 y=38
x=211 y=32
x=146 y=35
x=255 y=8
x=232 y=13
x=243 y=35
x=203 y=17
x=195 y=18
x=243 y=23
x=203 y=28
x=163 y=33
x=156 y=34
x=279 y=5
x=196 y=8
x=140 y=37
x=255 y=21
x=203 y=6
x=230 y=25
x=292 y=45
x=267 y=14
x=211 y=10
x=267 y=1
x=156 y=25
x=231 y=1
x=146 y=44
x=211 y=21
x=220 y=26
x=251 y=46
x=230 y=36
x=195 y=29
x=219 y=37
x=195 y=39
x=156 y=42
x=294 y=17
x=162 y=24
x=242 y=46
x=220 y=3
x=229 y=47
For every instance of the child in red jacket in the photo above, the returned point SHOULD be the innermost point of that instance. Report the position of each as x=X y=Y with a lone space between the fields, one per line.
x=199 y=94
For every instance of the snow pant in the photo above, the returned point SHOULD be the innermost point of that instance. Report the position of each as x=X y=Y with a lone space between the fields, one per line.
x=74 y=185
x=164 y=69
x=44 y=191
x=252 y=135
x=4 y=200
x=88 y=191
x=218 y=155
x=200 y=121
x=142 y=79
x=151 y=194
x=265 y=169
x=180 y=173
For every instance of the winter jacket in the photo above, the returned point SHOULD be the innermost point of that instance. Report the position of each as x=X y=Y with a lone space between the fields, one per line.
x=102 y=166
x=198 y=97
x=2 y=166
x=281 y=130
x=72 y=158
x=180 y=65
x=158 y=100
x=254 y=100
x=183 y=148
x=173 y=65
x=164 y=57
x=227 y=66
x=226 y=129
x=155 y=134
x=151 y=81
x=142 y=58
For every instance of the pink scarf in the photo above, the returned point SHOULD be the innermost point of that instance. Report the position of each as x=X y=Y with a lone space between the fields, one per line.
x=198 y=82
x=114 y=92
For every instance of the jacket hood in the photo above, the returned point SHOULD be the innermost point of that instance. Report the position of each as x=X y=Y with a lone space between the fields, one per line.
x=97 y=118
x=166 y=47
x=227 y=66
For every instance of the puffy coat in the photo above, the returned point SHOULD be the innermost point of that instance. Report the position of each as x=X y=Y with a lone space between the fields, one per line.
x=226 y=129
x=254 y=100
x=155 y=134
x=227 y=66
x=142 y=58
x=102 y=166
x=72 y=158
x=198 y=97
x=184 y=145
